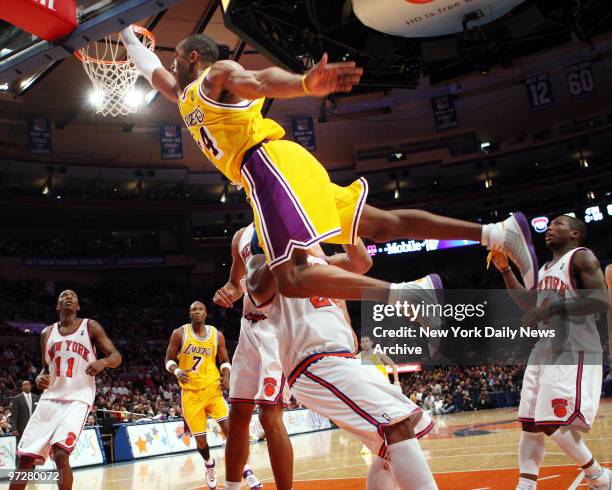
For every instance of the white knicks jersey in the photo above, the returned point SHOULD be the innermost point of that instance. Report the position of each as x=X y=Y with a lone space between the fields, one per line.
x=249 y=310
x=574 y=333
x=68 y=357
x=308 y=326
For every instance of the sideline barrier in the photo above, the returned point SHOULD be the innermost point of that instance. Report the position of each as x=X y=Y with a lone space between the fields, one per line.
x=87 y=452
x=144 y=439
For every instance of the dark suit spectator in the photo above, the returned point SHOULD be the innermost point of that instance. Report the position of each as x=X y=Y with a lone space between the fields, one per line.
x=22 y=407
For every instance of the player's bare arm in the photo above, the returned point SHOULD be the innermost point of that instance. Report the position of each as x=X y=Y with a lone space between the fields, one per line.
x=524 y=298
x=150 y=66
x=99 y=338
x=389 y=362
x=354 y=259
x=223 y=358
x=172 y=351
x=590 y=285
x=260 y=281
x=231 y=292
x=322 y=79
x=43 y=378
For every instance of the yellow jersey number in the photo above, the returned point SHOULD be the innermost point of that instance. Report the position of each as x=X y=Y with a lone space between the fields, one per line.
x=207 y=142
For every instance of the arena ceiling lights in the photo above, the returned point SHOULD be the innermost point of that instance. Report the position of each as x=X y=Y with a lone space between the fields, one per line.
x=413 y=42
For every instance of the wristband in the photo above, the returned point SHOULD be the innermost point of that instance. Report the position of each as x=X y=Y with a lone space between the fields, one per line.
x=169 y=365
x=304 y=87
x=225 y=365
x=177 y=371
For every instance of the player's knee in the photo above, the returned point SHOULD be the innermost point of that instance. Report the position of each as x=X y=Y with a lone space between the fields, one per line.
x=270 y=419
x=202 y=443
x=26 y=462
x=61 y=457
x=384 y=228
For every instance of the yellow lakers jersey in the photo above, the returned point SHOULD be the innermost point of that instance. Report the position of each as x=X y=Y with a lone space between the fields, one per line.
x=224 y=132
x=379 y=365
x=198 y=358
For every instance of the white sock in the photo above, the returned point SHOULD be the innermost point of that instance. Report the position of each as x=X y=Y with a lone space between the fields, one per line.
x=246 y=468
x=570 y=442
x=526 y=484
x=379 y=478
x=531 y=452
x=210 y=461
x=594 y=471
x=232 y=485
x=409 y=467
x=491 y=235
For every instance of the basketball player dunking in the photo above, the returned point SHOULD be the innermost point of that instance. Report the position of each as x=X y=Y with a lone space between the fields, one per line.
x=316 y=354
x=70 y=365
x=197 y=346
x=560 y=399
x=295 y=205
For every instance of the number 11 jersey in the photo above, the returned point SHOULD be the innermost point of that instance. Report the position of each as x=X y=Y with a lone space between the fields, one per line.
x=68 y=357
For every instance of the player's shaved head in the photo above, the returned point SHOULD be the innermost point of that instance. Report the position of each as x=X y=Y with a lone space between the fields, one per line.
x=67 y=293
x=202 y=44
x=578 y=226
x=197 y=304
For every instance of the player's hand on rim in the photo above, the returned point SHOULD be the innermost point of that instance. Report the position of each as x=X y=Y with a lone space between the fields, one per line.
x=43 y=381
x=325 y=78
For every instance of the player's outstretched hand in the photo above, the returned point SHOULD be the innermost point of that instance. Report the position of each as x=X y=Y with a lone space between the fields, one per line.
x=96 y=367
x=499 y=259
x=43 y=381
x=325 y=78
x=227 y=295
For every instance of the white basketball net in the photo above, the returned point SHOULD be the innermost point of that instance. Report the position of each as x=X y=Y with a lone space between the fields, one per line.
x=113 y=74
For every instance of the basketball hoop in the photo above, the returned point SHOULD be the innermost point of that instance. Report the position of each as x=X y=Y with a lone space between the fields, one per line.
x=113 y=79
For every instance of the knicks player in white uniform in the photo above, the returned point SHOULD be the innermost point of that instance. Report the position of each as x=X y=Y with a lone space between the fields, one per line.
x=560 y=398
x=70 y=364
x=256 y=378
x=316 y=347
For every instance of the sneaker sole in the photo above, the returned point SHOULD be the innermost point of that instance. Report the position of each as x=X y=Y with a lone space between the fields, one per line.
x=523 y=225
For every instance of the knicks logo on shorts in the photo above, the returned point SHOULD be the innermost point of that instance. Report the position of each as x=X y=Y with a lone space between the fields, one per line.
x=269 y=386
x=559 y=406
x=71 y=439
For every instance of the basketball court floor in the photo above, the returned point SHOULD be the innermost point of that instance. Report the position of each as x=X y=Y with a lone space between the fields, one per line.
x=466 y=451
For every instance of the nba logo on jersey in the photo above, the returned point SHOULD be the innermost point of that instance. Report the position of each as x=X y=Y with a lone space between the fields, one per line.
x=559 y=406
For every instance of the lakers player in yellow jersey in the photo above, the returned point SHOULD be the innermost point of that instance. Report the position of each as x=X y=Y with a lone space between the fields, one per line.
x=192 y=356
x=379 y=361
x=294 y=202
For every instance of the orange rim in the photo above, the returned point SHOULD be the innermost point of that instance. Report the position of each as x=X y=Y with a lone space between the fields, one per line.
x=80 y=54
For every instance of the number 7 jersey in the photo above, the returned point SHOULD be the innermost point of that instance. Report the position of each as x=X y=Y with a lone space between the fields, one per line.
x=68 y=357
x=224 y=132
x=198 y=357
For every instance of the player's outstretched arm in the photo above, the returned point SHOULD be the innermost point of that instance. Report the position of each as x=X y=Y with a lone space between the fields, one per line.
x=231 y=292
x=354 y=259
x=322 y=79
x=224 y=364
x=149 y=65
x=524 y=298
x=172 y=351
x=260 y=281
x=99 y=338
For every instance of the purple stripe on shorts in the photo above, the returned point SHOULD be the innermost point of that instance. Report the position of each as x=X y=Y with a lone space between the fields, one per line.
x=281 y=220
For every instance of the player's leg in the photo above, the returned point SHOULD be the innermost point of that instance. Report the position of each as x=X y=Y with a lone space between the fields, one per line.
x=218 y=410
x=379 y=476
x=62 y=461
x=279 y=445
x=26 y=463
x=194 y=414
x=237 y=442
x=406 y=459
